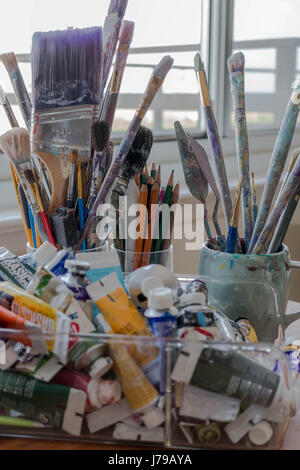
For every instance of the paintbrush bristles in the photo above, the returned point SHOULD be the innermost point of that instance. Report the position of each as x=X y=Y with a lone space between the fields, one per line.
x=198 y=63
x=236 y=63
x=74 y=156
x=126 y=32
x=100 y=135
x=15 y=144
x=164 y=66
x=9 y=61
x=66 y=68
x=138 y=155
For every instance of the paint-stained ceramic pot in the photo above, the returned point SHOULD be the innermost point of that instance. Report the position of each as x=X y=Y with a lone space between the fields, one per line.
x=248 y=286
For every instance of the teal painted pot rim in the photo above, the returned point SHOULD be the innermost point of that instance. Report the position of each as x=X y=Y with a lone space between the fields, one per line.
x=284 y=252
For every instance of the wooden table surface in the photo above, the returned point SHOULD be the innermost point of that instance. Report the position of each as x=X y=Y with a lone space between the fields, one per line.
x=32 y=444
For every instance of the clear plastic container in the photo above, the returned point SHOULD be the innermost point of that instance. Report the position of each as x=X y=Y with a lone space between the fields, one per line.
x=167 y=422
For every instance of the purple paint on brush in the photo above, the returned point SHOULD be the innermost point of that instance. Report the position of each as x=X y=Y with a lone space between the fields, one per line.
x=66 y=68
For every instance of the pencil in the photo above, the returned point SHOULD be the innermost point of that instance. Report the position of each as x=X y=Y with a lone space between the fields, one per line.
x=141 y=228
x=153 y=171
x=152 y=208
x=174 y=200
x=165 y=211
x=233 y=232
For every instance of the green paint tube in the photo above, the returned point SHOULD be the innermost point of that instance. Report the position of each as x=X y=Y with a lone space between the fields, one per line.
x=49 y=404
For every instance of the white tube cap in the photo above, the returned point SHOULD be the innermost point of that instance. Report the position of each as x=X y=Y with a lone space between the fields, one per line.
x=151 y=283
x=261 y=433
x=160 y=298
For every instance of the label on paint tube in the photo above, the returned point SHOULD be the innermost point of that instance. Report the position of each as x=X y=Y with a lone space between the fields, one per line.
x=121 y=314
x=49 y=404
x=226 y=373
x=16 y=271
x=39 y=313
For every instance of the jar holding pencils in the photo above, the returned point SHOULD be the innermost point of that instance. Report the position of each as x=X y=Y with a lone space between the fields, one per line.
x=132 y=260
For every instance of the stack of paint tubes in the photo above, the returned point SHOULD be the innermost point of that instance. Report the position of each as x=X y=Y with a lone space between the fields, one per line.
x=116 y=381
x=63 y=164
x=264 y=227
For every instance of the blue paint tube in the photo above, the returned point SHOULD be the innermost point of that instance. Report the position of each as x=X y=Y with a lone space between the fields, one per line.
x=162 y=317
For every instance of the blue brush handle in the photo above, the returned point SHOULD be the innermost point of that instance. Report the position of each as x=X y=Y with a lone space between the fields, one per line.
x=231 y=239
x=81 y=220
x=32 y=226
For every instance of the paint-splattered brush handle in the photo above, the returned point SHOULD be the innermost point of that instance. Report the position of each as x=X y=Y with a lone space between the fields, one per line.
x=284 y=223
x=263 y=243
x=242 y=145
x=155 y=83
x=278 y=160
x=22 y=96
x=218 y=158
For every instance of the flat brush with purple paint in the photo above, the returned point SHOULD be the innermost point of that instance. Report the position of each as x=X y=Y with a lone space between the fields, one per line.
x=232 y=237
x=236 y=67
x=66 y=71
x=155 y=83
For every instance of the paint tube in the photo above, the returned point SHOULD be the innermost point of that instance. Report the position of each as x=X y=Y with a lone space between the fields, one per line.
x=229 y=373
x=20 y=422
x=34 y=335
x=124 y=432
x=88 y=356
x=30 y=261
x=41 y=368
x=50 y=404
x=101 y=265
x=54 y=324
x=203 y=405
x=122 y=316
x=15 y=271
x=6 y=254
x=76 y=281
x=208 y=322
x=99 y=392
x=53 y=260
x=107 y=416
x=137 y=389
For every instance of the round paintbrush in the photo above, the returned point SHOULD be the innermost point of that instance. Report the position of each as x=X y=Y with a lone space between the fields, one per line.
x=15 y=144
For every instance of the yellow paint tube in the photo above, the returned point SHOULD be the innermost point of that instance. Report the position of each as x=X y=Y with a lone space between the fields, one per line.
x=137 y=389
x=36 y=311
x=121 y=314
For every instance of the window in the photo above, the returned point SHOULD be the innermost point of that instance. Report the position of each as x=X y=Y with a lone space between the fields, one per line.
x=161 y=26
x=267 y=31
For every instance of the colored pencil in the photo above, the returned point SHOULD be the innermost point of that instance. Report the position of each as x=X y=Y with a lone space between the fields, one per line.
x=174 y=200
x=279 y=156
x=142 y=227
x=164 y=219
x=152 y=209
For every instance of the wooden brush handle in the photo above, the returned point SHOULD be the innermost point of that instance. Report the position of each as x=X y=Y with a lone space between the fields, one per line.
x=58 y=168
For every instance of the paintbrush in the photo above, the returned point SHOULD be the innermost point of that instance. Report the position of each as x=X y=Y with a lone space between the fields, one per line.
x=254 y=200
x=66 y=71
x=7 y=108
x=194 y=177
x=71 y=186
x=133 y=163
x=25 y=213
x=111 y=30
x=81 y=203
x=233 y=229
x=236 y=67
x=278 y=160
x=15 y=145
x=100 y=137
x=155 y=83
x=111 y=100
x=288 y=192
x=202 y=158
x=10 y=62
x=214 y=139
